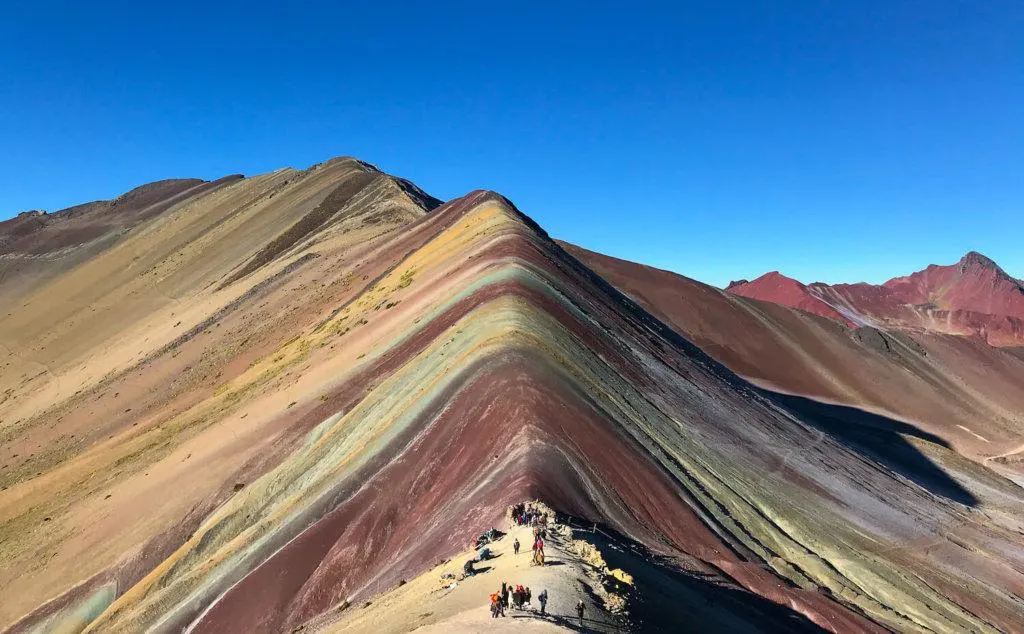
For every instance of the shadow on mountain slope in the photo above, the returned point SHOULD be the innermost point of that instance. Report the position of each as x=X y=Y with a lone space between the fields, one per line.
x=666 y=598
x=879 y=438
x=876 y=437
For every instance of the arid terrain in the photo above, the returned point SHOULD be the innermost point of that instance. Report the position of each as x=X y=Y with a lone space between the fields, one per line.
x=291 y=402
x=958 y=388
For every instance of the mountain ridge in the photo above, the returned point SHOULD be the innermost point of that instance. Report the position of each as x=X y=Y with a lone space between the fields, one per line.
x=377 y=391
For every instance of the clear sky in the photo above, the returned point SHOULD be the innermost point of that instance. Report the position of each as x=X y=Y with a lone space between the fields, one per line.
x=834 y=141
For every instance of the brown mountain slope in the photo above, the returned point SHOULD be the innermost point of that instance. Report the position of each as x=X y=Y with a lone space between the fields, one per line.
x=36 y=246
x=109 y=369
x=964 y=391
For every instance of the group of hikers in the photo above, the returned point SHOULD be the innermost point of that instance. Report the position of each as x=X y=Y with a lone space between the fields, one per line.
x=538 y=546
x=524 y=515
x=517 y=597
x=483 y=553
x=538 y=542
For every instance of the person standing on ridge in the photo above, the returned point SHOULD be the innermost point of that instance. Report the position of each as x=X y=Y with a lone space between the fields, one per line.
x=543 y=598
x=580 y=607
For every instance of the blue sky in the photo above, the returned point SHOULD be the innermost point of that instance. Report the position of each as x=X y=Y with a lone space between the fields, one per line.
x=834 y=141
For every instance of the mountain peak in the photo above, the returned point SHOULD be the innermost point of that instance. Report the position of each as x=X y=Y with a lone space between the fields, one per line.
x=777 y=288
x=776 y=276
x=973 y=259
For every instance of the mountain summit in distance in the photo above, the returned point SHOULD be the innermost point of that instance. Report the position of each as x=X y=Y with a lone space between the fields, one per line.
x=974 y=297
x=321 y=400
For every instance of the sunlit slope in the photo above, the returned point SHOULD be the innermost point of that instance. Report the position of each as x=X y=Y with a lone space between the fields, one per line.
x=115 y=434
x=37 y=246
x=375 y=392
x=499 y=369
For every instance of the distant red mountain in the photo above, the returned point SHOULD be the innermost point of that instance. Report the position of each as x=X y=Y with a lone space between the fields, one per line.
x=975 y=283
x=974 y=297
x=776 y=287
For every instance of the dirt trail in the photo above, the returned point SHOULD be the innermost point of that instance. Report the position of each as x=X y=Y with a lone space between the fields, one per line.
x=427 y=604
